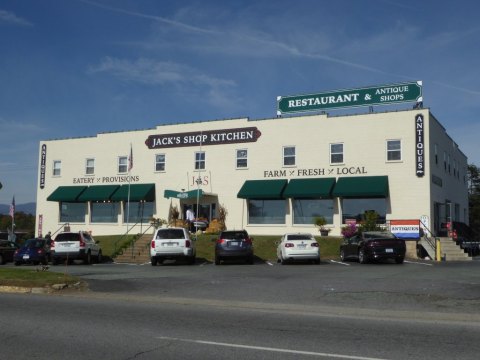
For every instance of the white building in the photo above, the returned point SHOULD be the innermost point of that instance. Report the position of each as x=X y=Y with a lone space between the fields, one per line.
x=272 y=175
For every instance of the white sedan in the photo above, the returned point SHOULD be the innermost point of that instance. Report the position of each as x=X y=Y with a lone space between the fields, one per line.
x=300 y=246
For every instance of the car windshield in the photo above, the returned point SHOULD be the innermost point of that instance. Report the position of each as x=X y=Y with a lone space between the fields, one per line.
x=34 y=243
x=67 y=237
x=299 y=237
x=237 y=235
x=383 y=235
x=170 y=234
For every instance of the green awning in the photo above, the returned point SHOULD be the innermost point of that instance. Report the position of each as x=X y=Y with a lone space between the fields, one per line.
x=138 y=192
x=361 y=187
x=309 y=188
x=98 y=193
x=262 y=189
x=66 y=193
x=192 y=194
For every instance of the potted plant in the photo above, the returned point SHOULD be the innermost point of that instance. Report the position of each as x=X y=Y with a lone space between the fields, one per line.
x=320 y=221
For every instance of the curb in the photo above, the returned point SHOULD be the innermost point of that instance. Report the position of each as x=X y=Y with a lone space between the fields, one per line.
x=38 y=290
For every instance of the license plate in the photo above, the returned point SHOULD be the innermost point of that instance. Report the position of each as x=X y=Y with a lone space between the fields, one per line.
x=170 y=244
x=389 y=250
x=233 y=243
x=26 y=257
x=301 y=246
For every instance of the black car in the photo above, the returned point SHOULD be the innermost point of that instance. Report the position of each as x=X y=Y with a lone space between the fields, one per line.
x=373 y=245
x=235 y=245
x=33 y=251
x=7 y=249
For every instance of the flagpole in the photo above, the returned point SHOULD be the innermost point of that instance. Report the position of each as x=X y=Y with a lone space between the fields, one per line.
x=130 y=165
x=12 y=214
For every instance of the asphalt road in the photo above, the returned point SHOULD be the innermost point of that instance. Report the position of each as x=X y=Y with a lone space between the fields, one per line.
x=333 y=310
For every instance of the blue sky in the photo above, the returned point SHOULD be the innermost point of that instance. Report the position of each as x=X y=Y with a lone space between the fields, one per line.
x=73 y=68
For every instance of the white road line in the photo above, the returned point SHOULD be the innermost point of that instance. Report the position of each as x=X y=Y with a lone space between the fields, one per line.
x=269 y=263
x=418 y=263
x=339 y=262
x=263 y=348
x=204 y=263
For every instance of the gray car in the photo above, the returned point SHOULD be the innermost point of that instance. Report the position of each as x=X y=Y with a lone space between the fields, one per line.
x=235 y=245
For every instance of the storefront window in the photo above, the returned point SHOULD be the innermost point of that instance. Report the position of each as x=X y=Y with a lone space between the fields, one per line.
x=104 y=212
x=266 y=211
x=306 y=210
x=72 y=212
x=138 y=211
x=356 y=208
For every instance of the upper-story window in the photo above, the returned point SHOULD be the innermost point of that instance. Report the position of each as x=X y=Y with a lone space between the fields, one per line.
x=448 y=162
x=57 y=167
x=122 y=164
x=160 y=162
x=89 y=166
x=436 y=154
x=242 y=158
x=336 y=153
x=445 y=161
x=289 y=156
x=394 y=150
x=200 y=160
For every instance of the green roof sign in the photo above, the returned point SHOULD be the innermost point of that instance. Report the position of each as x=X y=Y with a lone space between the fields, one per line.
x=378 y=95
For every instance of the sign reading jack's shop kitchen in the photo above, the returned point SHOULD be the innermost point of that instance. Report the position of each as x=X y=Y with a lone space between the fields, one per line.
x=378 y=95
x=212 y=137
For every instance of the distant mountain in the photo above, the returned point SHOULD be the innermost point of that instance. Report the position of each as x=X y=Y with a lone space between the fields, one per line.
x=28 y=208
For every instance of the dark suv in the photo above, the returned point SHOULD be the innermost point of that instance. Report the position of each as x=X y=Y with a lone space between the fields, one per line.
x=235 y=244
x=7 y=248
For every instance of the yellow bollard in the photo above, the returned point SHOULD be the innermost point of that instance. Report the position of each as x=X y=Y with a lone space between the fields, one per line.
x=438 y=246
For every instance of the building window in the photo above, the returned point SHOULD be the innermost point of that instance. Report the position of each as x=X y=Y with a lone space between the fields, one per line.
x=90 y=167
x=266 y=211
x=289 y=156
x=394 y=150
x=336 y=153
x=436 y=154
x=122 y=164
x=242 y=158
x=72 y=212
x=200 y=160
x=448 y=162
x=57 y=168
x=104 y=212
x=306 y=210
x=445 y=161
x=138 y=211
x=160 y=162
x=356 y=209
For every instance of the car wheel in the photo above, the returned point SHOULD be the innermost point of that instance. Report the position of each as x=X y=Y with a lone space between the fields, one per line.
x=45 y=261
x=191 y=260
x=99 y=257
x=217 y=260
x=399 y=260
x=153 y=261
x=283 y=261
x=317 y=261
x=342 y=255
x=88 y=259
x=361 y=257
x=250 y=260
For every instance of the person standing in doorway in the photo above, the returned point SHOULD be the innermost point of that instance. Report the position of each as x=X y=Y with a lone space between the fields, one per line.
x=190 y=216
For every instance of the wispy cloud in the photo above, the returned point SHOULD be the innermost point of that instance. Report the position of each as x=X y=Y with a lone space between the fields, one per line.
x=7 y=17
x=9 y=126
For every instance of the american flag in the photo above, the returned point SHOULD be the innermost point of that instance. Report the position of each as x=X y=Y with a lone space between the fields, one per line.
x=12 y=207
x=130 y=159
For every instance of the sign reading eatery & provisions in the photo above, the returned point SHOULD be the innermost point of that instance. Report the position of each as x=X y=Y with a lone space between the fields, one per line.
x=378 y=95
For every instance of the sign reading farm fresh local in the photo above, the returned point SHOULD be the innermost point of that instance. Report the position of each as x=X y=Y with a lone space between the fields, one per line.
x=378 y=95
x=213 y=137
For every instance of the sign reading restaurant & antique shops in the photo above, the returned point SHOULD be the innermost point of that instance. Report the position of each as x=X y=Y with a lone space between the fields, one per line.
x=197 y=138
x=378 y=95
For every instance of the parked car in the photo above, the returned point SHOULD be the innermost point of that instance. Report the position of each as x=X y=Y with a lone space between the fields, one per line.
x=471 y=247
x=373 y=245
x=234 y=244
x=172 y=243
x=69 y=246
x=7 y=249
x=33 y=251
x=298 y=247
